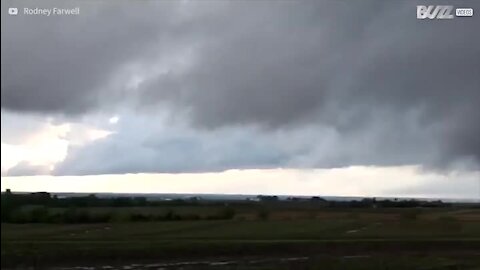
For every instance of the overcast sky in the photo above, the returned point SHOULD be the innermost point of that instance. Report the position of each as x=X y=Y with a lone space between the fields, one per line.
x=337 y=97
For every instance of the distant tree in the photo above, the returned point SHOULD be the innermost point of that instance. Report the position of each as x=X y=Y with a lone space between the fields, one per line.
x=264 y=198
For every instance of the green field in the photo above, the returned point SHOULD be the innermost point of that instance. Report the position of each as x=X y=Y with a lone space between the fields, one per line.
x=323 y=239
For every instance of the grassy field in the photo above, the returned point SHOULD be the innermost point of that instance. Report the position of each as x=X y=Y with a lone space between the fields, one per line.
x=322 y=239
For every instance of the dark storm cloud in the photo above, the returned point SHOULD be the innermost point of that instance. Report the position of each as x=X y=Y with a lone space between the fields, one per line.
x=63 y=64
x=343 y=64
x=389 y=88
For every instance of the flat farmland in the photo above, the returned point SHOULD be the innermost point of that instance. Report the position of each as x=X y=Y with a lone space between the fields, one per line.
x=379 y=237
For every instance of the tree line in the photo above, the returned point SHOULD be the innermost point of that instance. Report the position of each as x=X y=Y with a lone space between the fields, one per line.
x=39 y=207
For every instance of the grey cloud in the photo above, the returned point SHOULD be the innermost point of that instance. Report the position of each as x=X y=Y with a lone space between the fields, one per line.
x=344 y=83
x=64 y=64
x=341 y=65
x=168 y=146
x=171 y=150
